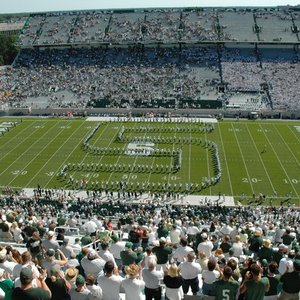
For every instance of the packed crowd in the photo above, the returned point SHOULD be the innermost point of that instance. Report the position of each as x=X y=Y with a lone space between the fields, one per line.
x=277 y=72
x=111 y=74
x=150 y=251
x=150 y=78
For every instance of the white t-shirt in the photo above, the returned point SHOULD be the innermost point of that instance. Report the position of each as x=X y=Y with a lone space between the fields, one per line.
x=133 y=288
x=189 y=270
x=210 y=277
x=110 y=286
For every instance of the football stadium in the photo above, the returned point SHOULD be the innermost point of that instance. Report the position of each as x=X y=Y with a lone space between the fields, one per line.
x=152 y=153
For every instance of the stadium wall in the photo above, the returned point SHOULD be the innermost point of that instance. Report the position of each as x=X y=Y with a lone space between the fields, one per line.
x=262 y=114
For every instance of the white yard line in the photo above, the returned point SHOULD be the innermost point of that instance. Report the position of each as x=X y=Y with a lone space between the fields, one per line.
x=48 y=161
x=29 y=148
x=225 y=160
x=261 y=161
x=49 y=142
x=287 y=146
x=288 y=178
x=88 y=153
x=245 y=165
x=15 y=137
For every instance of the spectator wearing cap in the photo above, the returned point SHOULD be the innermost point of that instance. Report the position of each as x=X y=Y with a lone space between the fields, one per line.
x=255 y=286
x=96 y=290
x=152 y=278
x=80 y=292
x=50 y=242
x=180 y=254
x=128 y=256
x=58 y=284
x=189 y=272
x=162 y=252
x=205 y=246
x=110 y=282
x=266 y=251
x=274 y=278
x=71 y=274
x=5 y=264
x=92 y=263
x=132 y=284
x=279 y=254
x=6 y=285
x=34 y=246
x=255 y=242
x=27 y=291
x=66 y=249
x=116 y=248
x=50 y=261
x=291 y=283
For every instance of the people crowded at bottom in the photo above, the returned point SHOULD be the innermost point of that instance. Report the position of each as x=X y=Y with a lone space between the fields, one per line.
x=151 y=251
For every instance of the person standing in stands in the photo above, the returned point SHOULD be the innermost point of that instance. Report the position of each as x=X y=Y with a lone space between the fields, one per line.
x=226 y=288
x=152 y=278
x=189 y=272
x=255 y=286
x=27 y=291
x=291 y=283
x=162 y=253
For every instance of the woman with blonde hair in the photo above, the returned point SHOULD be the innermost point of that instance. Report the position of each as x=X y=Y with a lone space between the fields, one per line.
x=133 y=285
x=173 y=282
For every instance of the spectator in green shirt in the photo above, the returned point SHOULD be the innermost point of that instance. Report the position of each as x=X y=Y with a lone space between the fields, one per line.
x=255 y=286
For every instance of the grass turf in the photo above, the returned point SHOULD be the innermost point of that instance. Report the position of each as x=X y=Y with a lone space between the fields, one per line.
x=256 y=157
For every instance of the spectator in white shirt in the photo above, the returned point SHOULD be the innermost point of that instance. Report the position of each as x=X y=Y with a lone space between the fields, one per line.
x=180 y=254
x=206 y=246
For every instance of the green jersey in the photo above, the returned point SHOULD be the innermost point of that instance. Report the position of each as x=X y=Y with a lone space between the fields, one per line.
x=256 y=289
x=226 y=290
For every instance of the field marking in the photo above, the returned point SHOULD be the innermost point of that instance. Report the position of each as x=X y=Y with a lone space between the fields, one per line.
x=134 y=163
x=280 y=163
x=15 y=137
x=88 y=153
x=287 y=145
x=245 y=165
x=55 y=172
x=260 y=158
x=40 y=138
x=225 y=159
x=36 y=155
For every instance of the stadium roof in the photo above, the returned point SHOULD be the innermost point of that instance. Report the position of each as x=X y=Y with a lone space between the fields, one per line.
x=16 y=6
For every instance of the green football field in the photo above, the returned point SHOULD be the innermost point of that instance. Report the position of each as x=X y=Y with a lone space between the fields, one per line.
x=235 y=158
